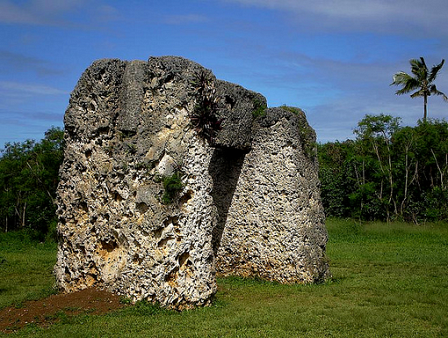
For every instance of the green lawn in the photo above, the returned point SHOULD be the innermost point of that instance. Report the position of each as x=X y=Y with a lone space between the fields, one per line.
x=389 y=280
x=25 y=269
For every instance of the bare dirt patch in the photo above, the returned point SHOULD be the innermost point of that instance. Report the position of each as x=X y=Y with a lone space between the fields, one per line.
x=47 y=311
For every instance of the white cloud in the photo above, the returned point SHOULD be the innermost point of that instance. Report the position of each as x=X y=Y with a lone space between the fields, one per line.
x=401 y=16
x=35 y=12
x=11 y=13
x=11 y=62
x=55 y=12
x=16 y=89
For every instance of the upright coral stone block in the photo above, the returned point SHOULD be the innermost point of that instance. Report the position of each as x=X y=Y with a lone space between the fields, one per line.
x=244 y=201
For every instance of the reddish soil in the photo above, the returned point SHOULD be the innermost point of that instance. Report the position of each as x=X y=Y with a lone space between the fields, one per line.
x=44 y=312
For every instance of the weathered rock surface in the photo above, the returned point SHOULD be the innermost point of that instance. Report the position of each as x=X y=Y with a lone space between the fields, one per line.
x=273 y=227
x=249 y=204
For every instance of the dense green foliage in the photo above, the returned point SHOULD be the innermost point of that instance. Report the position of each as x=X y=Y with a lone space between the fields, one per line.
x=389 y=280
x=259 y=108
x=387 y=172
x=172 y=185
x=28 y=181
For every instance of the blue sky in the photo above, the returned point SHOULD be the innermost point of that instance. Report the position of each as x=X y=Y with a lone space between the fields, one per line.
x=333 y=58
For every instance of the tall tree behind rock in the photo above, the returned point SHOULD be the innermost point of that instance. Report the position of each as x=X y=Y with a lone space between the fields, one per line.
x=421 y=81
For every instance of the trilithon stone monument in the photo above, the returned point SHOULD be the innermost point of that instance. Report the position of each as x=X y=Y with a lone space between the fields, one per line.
x=172 y=177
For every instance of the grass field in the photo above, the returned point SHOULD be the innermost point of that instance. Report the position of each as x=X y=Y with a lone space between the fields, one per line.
x=25 y=269
x=389 y=280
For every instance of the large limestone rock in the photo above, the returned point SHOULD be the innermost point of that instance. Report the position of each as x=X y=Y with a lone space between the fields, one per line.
x=248 y=203
x=272 y=224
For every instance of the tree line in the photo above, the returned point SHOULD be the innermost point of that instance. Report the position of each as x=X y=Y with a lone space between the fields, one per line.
x=391 y=172
x=387 y=172
x=28 y=182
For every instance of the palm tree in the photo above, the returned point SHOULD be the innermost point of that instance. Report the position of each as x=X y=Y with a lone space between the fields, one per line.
x=422 y=81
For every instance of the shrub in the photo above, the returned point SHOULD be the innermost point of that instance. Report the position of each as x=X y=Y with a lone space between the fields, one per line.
x=172 y=185
x=203 y=118
x=259 y=108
